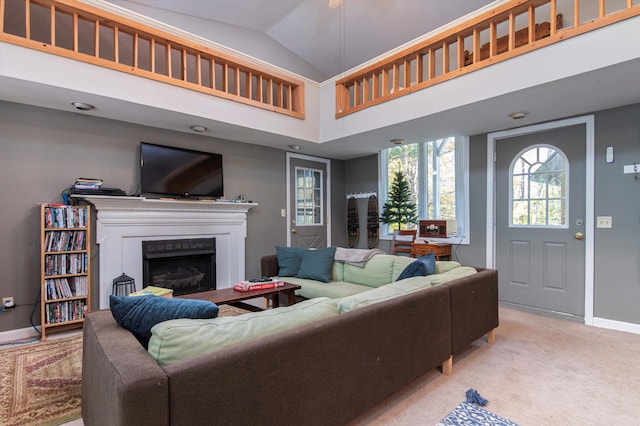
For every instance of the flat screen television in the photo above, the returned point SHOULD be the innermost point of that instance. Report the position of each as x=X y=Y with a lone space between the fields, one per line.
x=180 y=172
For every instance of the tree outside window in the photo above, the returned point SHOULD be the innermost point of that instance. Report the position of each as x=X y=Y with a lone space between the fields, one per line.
x=435 y=174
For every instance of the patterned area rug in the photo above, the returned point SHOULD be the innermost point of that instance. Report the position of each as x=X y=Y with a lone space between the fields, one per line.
x=41 y=382
x=467 y=414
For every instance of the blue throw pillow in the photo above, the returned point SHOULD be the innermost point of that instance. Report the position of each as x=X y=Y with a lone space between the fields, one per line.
x=317 y=264
x=421 y=267
x=139 y=313
x=289 y=259
x=430 y=261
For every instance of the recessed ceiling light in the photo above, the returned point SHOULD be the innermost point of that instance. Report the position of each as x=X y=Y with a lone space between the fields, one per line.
x=397 y=141
x=518 y=115
x=294 y=147
x=198 y=128
x=82 y=106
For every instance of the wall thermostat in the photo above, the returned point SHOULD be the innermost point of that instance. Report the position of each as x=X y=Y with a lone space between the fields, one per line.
x=609 y=156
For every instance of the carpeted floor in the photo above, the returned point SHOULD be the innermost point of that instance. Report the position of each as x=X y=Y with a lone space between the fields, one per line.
x=41 y=382
x=540 y=371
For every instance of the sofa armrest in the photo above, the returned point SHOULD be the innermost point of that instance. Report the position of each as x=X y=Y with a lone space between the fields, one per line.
x=474 y=307
x=121 y=383
x=269 y=265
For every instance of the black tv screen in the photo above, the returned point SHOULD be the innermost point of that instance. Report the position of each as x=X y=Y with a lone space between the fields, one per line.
x=180 y=172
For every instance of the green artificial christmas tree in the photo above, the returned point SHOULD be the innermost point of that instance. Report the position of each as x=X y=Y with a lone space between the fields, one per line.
x=399 y=208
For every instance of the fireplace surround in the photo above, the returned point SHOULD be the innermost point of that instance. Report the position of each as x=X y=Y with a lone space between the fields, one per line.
x=123 y=223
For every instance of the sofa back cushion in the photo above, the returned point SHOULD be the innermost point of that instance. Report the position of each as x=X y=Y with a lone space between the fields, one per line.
x=180 y=340
x=381 y=269
x=398 y=288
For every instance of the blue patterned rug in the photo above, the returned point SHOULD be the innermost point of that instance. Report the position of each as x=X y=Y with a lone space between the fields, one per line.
x=469 y=413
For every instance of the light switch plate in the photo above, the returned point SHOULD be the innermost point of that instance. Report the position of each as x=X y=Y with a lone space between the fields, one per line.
x=604 y=222
x=609 y=154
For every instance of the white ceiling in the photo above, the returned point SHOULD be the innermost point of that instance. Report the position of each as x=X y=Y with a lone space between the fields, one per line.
x=331 y=40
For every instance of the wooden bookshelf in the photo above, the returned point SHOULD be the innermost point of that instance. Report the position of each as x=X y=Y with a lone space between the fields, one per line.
x=65 y=283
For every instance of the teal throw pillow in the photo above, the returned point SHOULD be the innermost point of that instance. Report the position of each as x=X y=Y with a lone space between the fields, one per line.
x=139 y=313
x=289 y=259
x=317 y=264
x=421 y=267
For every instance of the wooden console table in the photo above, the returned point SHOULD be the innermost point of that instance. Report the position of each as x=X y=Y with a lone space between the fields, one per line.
x=438 y=249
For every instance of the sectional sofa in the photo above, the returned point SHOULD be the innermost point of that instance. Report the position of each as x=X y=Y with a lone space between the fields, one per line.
x=318 y=371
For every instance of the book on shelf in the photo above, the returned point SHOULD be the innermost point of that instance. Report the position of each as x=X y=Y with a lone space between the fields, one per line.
x=259 y=285
x=153 y=291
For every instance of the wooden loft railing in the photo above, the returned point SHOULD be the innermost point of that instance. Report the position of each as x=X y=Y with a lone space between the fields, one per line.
x=509 y=30
x=78 y=31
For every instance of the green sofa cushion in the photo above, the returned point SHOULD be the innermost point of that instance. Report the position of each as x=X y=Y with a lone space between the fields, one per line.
x=452 y=274
x=407 y=285
x=443 y=266
x=333 y=290
x=398 y=288
x=184 y=339
x=381 y=269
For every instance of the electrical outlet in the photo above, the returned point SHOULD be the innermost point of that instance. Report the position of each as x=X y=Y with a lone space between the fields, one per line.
x=7 y=302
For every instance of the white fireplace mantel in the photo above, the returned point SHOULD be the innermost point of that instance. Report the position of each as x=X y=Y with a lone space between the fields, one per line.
x=124 y=222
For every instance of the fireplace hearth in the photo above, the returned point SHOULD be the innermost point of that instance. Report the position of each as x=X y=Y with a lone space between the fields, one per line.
x=184 y=265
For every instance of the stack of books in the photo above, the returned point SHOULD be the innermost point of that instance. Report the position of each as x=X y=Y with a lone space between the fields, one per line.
x=258 y=285
x=87 y=183
x=154 y=291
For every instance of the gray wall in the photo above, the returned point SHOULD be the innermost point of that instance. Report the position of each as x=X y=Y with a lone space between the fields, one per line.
x=362 y=176
x=42 y=152
x=617 y=250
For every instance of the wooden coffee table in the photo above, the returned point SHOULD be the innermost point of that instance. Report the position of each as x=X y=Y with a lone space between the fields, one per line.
x=229 y=296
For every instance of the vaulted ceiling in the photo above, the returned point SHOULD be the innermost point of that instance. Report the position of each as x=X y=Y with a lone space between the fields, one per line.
x=332 y=40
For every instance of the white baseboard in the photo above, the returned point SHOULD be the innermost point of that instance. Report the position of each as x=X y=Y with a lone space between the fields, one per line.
x=616 y=325
x=23 y=333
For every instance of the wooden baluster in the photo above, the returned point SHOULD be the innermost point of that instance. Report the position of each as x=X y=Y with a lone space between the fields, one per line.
x=356 y=94
x=290 y=93
x=259 y=88
x=460 y=52
x=375 y=85
x=198 y=69
x=396 y=78
x=116 y=45
x=270 y=92
x=432 y=63
x=476 y=45
x=152 y=55
x=52 y=19
x=249 y=84
x=136 y=49
x=96 y=38
x=576 y=13
x=493 y=40
x=184 y=64
x=553 y=20
x=532 y=24
x=212 y=73
x=512 y=32
x=27 y=17
x=236 y=80
x=407 y=74
x=419 y=68
x=601 y=11
x=365 y=90
x=445 y=58
x=167 y=60
x=2 y=6
x=75 y=24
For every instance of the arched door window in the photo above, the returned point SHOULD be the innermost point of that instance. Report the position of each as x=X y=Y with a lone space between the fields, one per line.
x=539 y=187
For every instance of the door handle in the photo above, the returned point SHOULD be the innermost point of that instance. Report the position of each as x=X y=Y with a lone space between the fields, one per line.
x=293 y=231
x=579 y=236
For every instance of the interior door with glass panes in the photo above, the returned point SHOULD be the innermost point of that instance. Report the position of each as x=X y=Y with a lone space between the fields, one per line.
x=540 y=213
x=308 y=202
